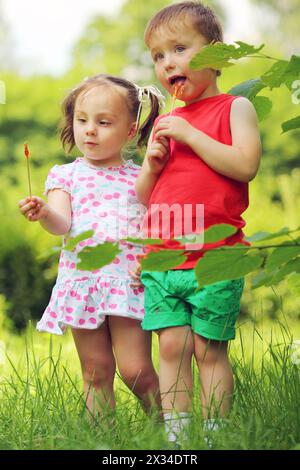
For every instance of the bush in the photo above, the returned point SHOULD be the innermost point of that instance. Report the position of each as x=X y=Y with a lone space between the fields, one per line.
x=24 y=285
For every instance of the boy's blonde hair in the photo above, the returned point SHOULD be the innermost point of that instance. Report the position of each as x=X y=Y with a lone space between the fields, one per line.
x=203 y=19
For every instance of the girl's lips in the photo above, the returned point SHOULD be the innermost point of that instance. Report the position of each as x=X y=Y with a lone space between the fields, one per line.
x=90 y=143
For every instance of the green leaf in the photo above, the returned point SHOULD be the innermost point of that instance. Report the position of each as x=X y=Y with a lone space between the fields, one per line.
x=215 y=233
x=162 y=260
x=221 y=264
x=144 y=241
x=263 y=106
x=97 y=256
x=294 y=284
x=290 y=125
x=261 y=236
x=263 y=278
x=281 y=72
x=290 y=267
x=218 y=55
x=281 y=255
x=276 y=75
x=72 y=242
x=248 y=89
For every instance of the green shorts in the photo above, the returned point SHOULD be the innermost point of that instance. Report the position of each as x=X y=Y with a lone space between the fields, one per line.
x=171 y=299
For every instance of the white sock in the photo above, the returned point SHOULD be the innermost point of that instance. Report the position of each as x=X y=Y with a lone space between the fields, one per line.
x=213 y=424
x=176 y=424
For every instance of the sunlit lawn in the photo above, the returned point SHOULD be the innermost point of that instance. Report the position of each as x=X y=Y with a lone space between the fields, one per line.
x=42 y=407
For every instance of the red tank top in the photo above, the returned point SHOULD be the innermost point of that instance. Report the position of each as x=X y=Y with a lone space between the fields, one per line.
x=187 y=182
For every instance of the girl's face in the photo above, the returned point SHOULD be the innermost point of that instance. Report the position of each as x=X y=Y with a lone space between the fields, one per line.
x=172 y=50
x=102 y=124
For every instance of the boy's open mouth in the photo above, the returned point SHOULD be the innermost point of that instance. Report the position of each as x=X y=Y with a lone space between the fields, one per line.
x=178 y=80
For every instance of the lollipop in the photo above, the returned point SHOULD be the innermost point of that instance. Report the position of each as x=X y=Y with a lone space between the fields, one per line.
x=178 y=90
x=27 y=154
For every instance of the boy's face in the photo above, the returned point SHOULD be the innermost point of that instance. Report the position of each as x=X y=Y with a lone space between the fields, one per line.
x=172 y=50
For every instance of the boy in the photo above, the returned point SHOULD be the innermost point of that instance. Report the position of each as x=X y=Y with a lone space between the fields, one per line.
x=214 y=151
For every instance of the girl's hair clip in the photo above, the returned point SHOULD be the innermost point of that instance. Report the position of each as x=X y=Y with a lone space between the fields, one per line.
x=144 y=93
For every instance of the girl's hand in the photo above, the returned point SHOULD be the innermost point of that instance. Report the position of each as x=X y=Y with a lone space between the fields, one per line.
x=157 y=154
x=174 y=127
x=136 y=274
x=34 y=208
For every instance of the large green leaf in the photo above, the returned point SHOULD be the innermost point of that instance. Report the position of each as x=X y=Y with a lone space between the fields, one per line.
x=281 y=255
x=263 y=106
x=219 y=55
x=291 y=124
x=97 y=256
x=162 y=260
x=248 y=89
x=72 y=242
x=221 y=264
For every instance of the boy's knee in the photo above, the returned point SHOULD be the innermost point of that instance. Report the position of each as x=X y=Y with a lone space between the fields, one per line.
x=171 y=349
x=210 y=352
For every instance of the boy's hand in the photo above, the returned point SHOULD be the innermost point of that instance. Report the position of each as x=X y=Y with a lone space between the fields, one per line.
x=33 y=208
x=157 y=154
x=174 y=127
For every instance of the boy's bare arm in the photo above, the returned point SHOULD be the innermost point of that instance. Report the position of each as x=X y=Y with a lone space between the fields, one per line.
x=239 y=161
x=55 y=217
x=153 y=164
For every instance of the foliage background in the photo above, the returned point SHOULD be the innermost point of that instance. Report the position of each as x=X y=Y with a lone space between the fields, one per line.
x=32 y=112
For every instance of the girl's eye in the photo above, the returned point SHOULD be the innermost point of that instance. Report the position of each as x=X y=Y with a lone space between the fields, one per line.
x=104 y=123
x=81 y=120
x=180 y=49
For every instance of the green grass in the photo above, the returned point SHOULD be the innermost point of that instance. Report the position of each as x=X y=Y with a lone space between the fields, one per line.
x=42 y=405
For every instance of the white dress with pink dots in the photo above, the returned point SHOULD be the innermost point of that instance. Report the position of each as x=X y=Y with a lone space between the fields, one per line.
x=104 y=200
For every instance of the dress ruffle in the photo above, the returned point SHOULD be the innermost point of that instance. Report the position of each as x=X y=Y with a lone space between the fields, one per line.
x=84 y=303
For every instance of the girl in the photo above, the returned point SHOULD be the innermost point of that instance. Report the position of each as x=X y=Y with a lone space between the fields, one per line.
x=94 y=192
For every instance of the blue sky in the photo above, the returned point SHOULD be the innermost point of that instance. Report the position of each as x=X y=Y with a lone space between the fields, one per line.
x=44 y=31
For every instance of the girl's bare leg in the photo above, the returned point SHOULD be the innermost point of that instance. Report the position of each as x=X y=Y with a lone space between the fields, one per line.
x=132 y=348
x=98 y=366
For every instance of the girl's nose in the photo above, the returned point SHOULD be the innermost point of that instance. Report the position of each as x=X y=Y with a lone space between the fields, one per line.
x=91 y=130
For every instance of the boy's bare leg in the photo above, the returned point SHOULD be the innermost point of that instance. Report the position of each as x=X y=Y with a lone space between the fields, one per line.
x=175 y=372
x=216 y=378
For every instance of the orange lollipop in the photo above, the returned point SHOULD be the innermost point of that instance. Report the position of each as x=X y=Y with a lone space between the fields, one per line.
x=178 y=90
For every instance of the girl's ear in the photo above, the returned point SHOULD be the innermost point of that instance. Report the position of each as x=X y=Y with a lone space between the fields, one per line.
x=132 y=131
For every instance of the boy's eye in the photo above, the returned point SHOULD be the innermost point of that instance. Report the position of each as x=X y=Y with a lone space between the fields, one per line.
x=158 y=56
x=104 y=123
x=180 y=49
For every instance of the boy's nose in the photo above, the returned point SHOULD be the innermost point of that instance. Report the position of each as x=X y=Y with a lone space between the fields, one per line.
x=169 y=63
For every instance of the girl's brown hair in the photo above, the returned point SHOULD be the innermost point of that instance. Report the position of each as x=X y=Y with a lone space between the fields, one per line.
x=133 y=102
x=203 y=18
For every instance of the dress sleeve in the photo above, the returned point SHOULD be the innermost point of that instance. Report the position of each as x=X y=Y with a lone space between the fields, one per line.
x=58 y=178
